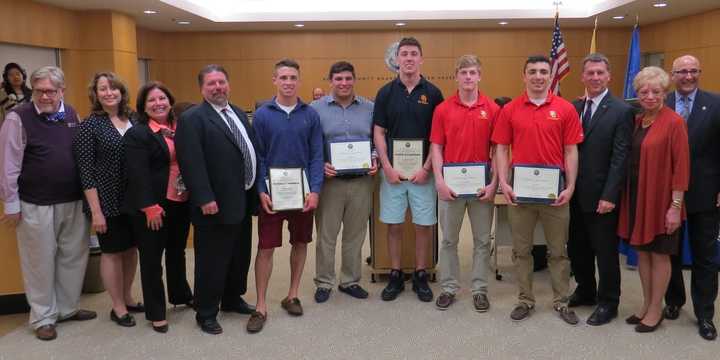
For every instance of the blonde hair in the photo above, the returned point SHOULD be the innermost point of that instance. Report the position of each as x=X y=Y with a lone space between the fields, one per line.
x=466 y=61
x=651 y=75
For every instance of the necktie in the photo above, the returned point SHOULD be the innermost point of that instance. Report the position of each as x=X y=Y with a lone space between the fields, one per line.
x=587 y=115
x=243 y=147
x=685 y=107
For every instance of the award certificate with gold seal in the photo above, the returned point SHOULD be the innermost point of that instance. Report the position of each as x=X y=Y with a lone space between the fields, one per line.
x=466 y=179
x=536 y=184
x=350 y=157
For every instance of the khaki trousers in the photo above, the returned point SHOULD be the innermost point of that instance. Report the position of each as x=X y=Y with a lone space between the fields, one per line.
x=451 y=215
x=345 y=202
x=53 y=245
x=555 y=221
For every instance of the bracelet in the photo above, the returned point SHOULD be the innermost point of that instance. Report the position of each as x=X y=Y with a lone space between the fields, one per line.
x=676 y=203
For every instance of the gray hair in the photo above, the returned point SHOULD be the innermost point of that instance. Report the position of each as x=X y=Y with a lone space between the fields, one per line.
x=651 y=75
x=596 y=58
x=52 y=73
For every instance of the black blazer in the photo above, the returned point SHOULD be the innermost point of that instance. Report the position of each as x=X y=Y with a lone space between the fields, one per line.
x=603 y=153
x=147 y=165
x=212 y=165
x=704 y=136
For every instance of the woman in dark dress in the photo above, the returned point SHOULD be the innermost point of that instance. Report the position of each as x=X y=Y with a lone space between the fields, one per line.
x=101 y=161
x=157 y=202
x=652 y=206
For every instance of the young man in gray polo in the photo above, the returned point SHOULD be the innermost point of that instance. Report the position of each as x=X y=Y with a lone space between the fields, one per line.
x=346 y=199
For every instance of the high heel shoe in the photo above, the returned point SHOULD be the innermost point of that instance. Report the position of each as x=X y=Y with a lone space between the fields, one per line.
x=633 y=320
x=161 y=328
x=642 y=328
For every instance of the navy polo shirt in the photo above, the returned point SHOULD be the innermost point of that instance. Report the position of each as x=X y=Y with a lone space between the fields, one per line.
x=406 y=116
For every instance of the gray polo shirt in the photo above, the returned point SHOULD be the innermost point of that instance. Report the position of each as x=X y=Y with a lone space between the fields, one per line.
x=351 y=123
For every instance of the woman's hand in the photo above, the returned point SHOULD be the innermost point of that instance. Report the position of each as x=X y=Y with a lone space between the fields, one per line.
x=98 y=222
x=672 y=220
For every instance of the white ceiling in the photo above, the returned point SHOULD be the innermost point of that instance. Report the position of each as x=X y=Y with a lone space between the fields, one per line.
x=263 y=15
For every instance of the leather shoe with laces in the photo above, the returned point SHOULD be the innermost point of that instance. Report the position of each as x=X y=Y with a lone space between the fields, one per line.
x=602 y=315
x=576 y=300
x=354 y=290
x=238 y=305
x=210 y=326
x=322 y=294
x=420 y=286
x=444 y=301
x=706 y=329
x=396 y=285
x=671 y=312
x=80 y=315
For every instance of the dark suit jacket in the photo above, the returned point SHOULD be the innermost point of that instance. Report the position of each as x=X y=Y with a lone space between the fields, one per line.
x=212 y=167
x=147 y=165
x=603 y=153
x=704 y=136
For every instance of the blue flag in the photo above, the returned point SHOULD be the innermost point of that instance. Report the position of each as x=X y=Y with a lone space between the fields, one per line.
x=633 y=65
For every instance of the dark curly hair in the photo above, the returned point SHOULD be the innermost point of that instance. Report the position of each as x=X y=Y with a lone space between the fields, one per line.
x=6 y=82
x=115 y=83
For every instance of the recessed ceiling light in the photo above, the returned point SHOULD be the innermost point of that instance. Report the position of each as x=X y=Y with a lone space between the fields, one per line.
x=400 y=24
x=299 y=25
x=150 y=12
x=503 y=23
x=660 y=4
x=182 y=22
x=619 y=17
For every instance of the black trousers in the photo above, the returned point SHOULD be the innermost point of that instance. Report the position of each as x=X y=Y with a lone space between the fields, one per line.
x=172 y=240
x=702 y=231
x=222 y=262
x=594 y=237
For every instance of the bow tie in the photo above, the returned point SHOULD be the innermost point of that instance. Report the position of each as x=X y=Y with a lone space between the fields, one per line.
x=58 y=116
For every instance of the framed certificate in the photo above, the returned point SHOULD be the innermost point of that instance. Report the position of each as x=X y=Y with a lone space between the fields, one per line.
x=536 y=184
x=407 y=156
x=287 y=188
x=350 y=157
x=466 y=179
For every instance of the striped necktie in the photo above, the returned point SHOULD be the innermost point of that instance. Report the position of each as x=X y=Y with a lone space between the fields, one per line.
x=684 y=107
x=243 y=147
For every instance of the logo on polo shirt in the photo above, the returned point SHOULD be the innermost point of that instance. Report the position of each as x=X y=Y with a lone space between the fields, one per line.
x=423 y=99
x=483 y=114
x=349 y=146
x=553 y=115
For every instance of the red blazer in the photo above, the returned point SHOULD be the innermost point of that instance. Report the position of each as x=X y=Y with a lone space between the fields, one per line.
x=664 y=168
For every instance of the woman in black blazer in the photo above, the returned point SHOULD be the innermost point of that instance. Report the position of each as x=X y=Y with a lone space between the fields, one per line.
x=156 y=200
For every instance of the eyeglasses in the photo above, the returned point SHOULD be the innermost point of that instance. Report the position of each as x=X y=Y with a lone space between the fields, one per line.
x=685 y=72
x=48 y=92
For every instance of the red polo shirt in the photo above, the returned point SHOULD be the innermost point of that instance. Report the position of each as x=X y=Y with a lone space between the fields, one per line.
x=464 y=131
x=538 y=133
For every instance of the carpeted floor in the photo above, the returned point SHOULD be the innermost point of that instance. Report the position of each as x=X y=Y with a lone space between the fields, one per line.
x=347 y=328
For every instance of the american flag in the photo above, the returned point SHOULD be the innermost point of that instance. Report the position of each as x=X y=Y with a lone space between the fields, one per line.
x=558 y=58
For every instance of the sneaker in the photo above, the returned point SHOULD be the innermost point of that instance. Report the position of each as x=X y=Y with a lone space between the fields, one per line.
x=322 y=295
x=395 y=285
x=354 y=290
x=292 y=306
x=566 y=314
x=521 y=312
x=420 y=286
x=481 y=303
x=444 y=301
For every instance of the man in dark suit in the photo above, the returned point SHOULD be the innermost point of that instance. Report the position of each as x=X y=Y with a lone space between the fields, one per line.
x=217 y=158
x=607 y=124
x=701 y=110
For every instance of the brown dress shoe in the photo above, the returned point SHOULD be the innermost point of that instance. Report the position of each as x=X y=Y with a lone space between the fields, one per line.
x=46 y=332
x=444 y=301
x=292 y=306
x=80 y=315
x=256 y=322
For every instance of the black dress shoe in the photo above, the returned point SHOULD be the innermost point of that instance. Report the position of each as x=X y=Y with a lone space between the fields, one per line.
x=602 y=315
x=239 y=306
x=210 y=326
x=161 y=328
x=706 y=329
x=633 y=320
x=671 y=312
x=137 y=308
x=642 y=328
x=576 y=300
x=126 y=320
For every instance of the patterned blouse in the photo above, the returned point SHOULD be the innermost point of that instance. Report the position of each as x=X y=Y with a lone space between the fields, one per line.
x=100 y=156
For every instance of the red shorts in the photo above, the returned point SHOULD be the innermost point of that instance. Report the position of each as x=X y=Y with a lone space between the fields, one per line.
x=300 y=225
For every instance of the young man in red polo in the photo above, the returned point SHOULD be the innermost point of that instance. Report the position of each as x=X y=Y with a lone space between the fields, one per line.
x=460 y=138
x=543 y=131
